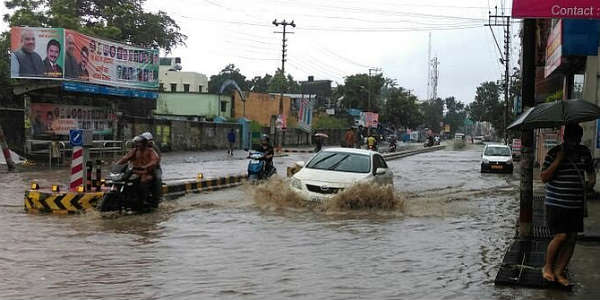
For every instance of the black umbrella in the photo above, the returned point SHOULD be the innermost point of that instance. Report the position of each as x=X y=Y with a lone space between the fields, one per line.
x=555 y=114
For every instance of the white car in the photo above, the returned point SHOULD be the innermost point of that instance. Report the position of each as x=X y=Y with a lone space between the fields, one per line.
x=334 y=169
x=496 y=157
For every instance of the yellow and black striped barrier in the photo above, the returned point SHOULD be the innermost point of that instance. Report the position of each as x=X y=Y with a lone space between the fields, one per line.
x=60 y=203
x=201 y=185
x=73 y=202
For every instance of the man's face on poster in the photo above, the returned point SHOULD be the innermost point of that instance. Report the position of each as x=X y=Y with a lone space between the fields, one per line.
x=28 y=40
x=70 y=44
x=53 y=52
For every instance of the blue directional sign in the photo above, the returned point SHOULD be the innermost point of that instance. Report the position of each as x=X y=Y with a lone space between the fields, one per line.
x=76 y=137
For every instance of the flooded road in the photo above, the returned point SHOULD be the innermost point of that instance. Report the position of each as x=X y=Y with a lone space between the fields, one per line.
x=446 y=242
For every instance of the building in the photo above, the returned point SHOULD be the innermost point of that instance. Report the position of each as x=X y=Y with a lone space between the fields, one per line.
x=172 y=79
x=321 y=89
x=260 y=107
x=192 y=106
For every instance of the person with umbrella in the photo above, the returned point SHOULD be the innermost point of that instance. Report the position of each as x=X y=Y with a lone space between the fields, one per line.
x=563 y=173
x=319 y=141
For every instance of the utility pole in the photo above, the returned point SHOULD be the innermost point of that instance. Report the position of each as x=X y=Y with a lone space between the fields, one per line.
x=283 y=23
x=370 y=86
x=503 y=21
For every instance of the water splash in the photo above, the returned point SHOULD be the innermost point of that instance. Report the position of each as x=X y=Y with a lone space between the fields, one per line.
x=276 y=194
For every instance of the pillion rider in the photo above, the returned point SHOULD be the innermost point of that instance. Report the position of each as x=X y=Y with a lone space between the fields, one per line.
x=144 y=160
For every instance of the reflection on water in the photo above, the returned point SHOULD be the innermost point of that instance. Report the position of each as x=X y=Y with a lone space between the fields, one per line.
x=440 y=233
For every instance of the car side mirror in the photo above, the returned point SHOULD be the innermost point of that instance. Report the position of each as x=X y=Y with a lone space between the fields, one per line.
x=300 y=164
x=380 y=171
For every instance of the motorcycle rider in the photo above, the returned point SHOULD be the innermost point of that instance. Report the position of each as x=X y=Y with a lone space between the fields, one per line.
x=371 y=141
x=268 y=153
x=144 y=160
x=157 y=183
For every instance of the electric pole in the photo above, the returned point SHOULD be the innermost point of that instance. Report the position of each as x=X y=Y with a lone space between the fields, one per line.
x=503 y=21
x=370 y=86
x=283 y=23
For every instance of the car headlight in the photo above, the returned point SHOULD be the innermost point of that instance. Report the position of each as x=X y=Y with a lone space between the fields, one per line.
x=296 y=183
x=486 y=161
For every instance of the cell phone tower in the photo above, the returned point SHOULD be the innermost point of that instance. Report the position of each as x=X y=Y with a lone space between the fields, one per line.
x=432 y=74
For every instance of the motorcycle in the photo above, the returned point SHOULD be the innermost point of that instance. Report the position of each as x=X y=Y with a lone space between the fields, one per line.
x=392 y=146
x=257 y=168
x=428 y=143
x=124 y=192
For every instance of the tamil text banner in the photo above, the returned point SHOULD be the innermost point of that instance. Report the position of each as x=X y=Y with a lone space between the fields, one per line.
x=99 y=61
x=573 y=9
x=36 y=52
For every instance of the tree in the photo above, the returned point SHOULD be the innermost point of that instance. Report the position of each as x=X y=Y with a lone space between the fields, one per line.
x=120 y=20
x=260 y=84
x=433 y=114
x=359 y=88
x=401 y=109
x=455 y=114
x=230 y=71
x=487 y=106
x=278 y=83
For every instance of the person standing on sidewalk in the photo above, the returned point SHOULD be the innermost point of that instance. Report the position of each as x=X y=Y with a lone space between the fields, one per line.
x=349 y=138
x=231 y=140
x=563 y=172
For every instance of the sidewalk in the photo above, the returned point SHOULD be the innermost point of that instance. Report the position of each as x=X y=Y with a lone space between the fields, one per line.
x=522 y=263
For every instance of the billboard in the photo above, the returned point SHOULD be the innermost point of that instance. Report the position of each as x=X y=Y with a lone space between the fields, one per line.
x=572 y=9
x=63 y=54
x=554 y=49
x=57 y=119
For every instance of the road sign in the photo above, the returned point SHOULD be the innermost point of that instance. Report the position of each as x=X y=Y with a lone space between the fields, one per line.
x=76 y=137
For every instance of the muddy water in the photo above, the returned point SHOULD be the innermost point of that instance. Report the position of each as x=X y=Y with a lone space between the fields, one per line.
x=444 y=241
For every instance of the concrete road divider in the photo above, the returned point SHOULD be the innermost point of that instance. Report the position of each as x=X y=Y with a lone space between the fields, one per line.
x=37 y=201
x=396 y=155
x=298 y=150
x=60 y=203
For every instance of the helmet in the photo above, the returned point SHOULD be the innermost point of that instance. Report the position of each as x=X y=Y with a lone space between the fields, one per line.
x=147 y=135
x=264 y=137
x=139 y=139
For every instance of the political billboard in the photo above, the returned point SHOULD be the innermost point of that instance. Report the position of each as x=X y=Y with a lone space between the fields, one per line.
x=58 y=119
x=72 y=56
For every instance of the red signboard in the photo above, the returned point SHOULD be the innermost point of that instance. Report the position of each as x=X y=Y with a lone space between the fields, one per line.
x=572 y=9
x=554 y=49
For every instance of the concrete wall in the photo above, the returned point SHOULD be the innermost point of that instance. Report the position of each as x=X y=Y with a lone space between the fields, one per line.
x=259 y=107
x=174 y=135
x=193 y=104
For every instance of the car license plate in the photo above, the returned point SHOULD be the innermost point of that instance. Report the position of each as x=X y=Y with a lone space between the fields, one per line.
x=496 y=166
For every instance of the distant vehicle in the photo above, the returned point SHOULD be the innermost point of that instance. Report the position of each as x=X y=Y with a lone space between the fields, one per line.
x=334 y=169
x=516 y=149
x=496 y=157
x=478 y=139
x=459 y=136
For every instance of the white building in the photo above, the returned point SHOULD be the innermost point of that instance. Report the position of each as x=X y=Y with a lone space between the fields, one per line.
x=172 y=79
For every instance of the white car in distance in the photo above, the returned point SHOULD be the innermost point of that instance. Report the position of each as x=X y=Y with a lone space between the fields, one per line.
x=334 y=169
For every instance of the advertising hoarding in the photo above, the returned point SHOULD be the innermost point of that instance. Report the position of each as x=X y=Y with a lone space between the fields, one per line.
x=554 y=49
x=59 y=119
x=63 y=54
x=572 y=9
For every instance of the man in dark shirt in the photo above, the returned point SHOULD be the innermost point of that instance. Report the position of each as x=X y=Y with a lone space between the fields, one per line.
x=268 y=153
x=564 y=171
x=51 y=68
x=71 y=64
x=26 y=61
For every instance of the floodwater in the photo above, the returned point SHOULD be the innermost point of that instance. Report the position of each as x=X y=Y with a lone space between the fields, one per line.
x=442 y=237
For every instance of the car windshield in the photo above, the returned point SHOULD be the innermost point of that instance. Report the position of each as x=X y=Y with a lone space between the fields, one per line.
x=340 y=161
x=497 y=151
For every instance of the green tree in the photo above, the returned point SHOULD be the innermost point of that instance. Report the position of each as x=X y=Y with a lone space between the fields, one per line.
x=401 y=109
x=278 y=83
x=488 y=106
x=120 y=20
x=260 y=84
x=229 y=72
x=455 y=114
x=359 y=88
x=433 y=113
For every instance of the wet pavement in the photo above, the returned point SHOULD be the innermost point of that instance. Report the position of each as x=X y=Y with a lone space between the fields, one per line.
x=446 y=242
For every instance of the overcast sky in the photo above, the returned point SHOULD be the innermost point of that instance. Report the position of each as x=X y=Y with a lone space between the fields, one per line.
x=337 y=38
